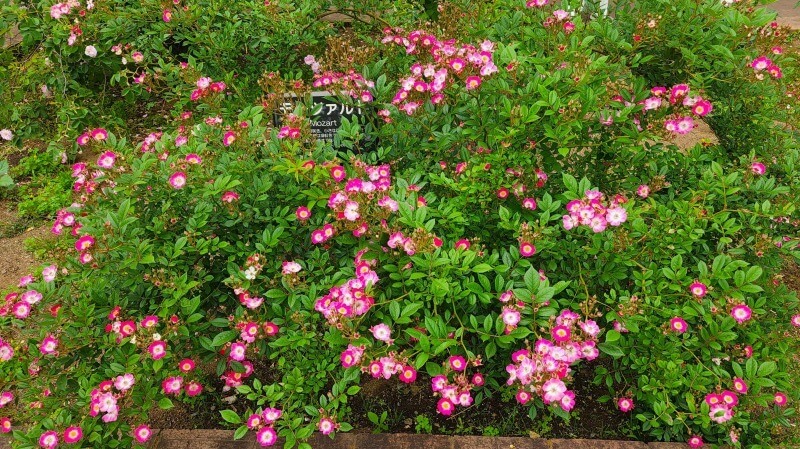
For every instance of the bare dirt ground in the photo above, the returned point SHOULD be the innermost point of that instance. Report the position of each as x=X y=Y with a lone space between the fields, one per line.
x=15 y=261
x=788 y=13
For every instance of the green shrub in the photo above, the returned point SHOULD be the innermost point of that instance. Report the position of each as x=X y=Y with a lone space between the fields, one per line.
x=488 y=227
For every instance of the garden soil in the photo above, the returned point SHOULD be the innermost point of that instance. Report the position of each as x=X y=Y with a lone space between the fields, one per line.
x=788 y=13
x=15 y=261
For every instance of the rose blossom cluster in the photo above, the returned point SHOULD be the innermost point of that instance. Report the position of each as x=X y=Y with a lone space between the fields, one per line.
x=205 y=87
x=352 y=298
x=677 y=97
x=237 y=351
x=447 y=61
x=97 y=134
x=419 y=240
x=62 y=9
x=458 y=390
x=289 y=131
x=762 y=63
x=136 y=55
x=594 y=212
x=264 y=422
x=355 y=199
x=251 y=331
x=66 y=219
x=149 y=142
x=350 y=83
x=83 y=245
x=542 y=371
x=252 y=268
x=144 y=334
x=512 y=311
x=292 y=127
x=352 y=356
x=122 y=328
x=721 y=404
x=6 y=398
x=536 y=3
x=520 y=188
x=390 y=365
x=20 y=303
x=106 y=396
x=174 y=385
x=49 y=439
x=232 y=377
x=560 y=17
x=6 y=351
x=178 y=179
x=86 y=181
x=527 y=238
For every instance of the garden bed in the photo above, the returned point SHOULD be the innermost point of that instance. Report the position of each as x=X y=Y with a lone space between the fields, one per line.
x=545 y=222
x=410 y=411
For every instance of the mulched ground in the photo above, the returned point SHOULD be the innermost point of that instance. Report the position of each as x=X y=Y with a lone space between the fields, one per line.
x=403 y=403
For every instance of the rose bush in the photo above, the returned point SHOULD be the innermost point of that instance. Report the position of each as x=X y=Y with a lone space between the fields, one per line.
x=511 y=209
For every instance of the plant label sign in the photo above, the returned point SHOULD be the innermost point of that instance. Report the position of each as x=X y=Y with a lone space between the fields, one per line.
x=327 y=113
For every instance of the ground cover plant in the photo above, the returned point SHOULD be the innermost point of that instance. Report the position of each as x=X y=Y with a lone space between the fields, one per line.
x=509 y=212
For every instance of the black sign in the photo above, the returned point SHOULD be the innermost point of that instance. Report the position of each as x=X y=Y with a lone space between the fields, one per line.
x=327 y=113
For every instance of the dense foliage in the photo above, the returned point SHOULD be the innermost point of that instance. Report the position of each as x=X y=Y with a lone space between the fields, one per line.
x=510 y=207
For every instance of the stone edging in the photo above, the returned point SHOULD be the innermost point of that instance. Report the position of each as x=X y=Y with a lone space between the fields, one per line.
x=223 y=439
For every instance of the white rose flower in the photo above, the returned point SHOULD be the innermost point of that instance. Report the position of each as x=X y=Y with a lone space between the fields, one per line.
x=91 y=51
x=6 y=134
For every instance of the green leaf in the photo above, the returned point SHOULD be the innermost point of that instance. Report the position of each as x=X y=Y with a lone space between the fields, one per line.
x=275 y=293
x=240 y=433
x=482 y=268
x=612 y=350
x=612 y=336
x=766 y=368
x=727 y=336
x=394 y=310
x=422 y=358
x=571 y=183
x=165 y=404
x=224 y=337
x=439 y=287
x=443 y=345
x=230 y=416
x=491 y=350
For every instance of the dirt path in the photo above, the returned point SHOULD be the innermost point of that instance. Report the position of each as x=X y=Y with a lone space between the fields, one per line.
x=788 y=12
x=15 y=261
